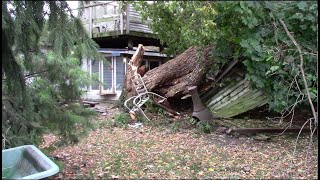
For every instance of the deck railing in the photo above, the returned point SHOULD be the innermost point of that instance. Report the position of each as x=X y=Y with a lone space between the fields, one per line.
x=108 y=17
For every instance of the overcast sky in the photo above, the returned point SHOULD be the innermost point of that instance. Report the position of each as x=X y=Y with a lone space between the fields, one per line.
x=73 y=4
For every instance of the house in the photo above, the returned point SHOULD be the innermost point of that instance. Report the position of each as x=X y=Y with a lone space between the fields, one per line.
x=118 y=29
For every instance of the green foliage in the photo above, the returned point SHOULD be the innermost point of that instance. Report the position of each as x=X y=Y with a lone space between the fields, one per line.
x=248 y=31
x=179 y=24
x=190 y=119
x=203 y=126
x=121 y=119
x=41 y=72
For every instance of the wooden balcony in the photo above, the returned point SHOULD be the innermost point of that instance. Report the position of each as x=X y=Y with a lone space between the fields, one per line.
x=112 y=27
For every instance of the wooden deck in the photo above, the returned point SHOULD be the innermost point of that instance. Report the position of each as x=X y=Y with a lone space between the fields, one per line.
x=107 y=22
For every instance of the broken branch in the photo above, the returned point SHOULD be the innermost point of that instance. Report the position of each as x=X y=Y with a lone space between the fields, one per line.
x=302 y=70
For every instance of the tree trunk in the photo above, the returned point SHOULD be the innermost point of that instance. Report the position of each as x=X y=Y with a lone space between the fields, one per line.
x=172 y=78
x=132 y=68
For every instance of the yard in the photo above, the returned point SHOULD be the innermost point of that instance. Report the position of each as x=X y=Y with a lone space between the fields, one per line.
x=168 y=148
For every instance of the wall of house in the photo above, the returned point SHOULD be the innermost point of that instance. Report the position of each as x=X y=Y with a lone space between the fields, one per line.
x=113 y=78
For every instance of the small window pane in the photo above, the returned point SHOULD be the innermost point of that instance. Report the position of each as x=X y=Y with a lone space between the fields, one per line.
x=107 y=75
x=120 y=73
x=95 y=72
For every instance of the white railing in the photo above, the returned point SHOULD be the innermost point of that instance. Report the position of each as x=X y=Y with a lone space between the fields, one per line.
x=108 y=17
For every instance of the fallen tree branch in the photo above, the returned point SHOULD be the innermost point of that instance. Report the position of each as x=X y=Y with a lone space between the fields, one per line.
x=35 y=74
x=302 y=70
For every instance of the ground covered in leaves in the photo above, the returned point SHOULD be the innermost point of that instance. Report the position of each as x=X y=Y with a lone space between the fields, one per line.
x=167 y=148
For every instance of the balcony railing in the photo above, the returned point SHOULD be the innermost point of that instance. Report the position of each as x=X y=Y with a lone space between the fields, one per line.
x=107 y=19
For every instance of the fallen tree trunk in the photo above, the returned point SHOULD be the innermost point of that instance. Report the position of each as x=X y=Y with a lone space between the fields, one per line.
x=132 y=68
x=172 y=78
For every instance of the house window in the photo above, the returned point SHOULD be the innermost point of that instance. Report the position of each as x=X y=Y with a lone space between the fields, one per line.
x=150 y=64
x=110 y=72
x=153 y=64
x=107 y=74
x=120 y=73
x=95 y=70
x=104 y=72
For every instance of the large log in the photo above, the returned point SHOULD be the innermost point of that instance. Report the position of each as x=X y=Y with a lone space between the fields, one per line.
x=172 y=78
x=132 y=68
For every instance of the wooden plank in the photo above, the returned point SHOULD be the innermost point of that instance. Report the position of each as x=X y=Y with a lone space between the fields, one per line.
x=224 y=111
x=121 y=23
x=223 y=93
x=139 y=25
x=128 y=18
x=106 y=19
x=228 y=69
x=240 y=99
x=267 y=130
x=227 y=99
x=93 y=5
x=244 y=103
x=90 y=102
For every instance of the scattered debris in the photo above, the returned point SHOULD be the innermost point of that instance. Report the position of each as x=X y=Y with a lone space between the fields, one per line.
x=261 y=137
x=221 y=130
x=150 y=152
x=114 y=177
x=266 y=130
x=136 y=125
x=91 y=103
x=100 y=109
x=246 y=168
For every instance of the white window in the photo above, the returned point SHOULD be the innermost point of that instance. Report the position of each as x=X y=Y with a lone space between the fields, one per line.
x=151 y=63
x=110 y=72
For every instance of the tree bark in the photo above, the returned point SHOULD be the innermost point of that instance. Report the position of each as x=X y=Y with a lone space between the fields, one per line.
x=172 y=78
x=132 y=68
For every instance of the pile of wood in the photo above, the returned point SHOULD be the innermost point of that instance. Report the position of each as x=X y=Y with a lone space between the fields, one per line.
x=94 y=106
x=228 y=126
x=89 y=103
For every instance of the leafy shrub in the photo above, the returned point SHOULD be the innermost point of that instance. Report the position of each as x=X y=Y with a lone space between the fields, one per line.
x=204 y=126
x=121 y=119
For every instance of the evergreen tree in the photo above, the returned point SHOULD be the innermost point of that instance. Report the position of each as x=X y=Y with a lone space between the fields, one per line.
x=43 y=45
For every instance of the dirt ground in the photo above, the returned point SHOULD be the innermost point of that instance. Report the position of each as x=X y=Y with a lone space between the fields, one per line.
x=165 y=149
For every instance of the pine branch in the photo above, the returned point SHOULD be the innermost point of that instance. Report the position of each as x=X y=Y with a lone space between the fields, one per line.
x=35 y=73
x=70 y=11
x=302 y=70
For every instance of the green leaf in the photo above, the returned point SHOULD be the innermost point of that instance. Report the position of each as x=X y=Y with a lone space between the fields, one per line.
x=244 y=43
x=302 y=5
x=274 y=68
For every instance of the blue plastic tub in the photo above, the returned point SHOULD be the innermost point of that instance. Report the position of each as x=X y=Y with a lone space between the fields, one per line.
x=26 y=162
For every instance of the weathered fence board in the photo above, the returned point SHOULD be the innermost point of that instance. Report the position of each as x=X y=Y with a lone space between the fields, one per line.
x=235 y=99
